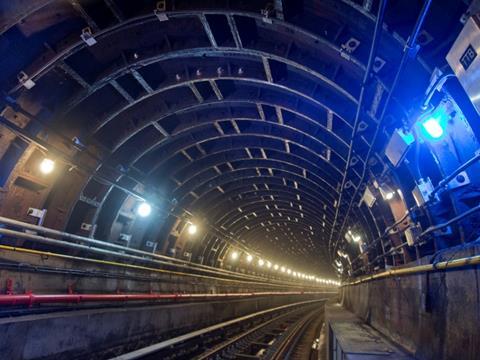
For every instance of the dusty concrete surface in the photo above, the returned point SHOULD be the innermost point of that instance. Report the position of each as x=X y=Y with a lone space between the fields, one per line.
x=435 y=316
x=347 y=335
x=102 y=333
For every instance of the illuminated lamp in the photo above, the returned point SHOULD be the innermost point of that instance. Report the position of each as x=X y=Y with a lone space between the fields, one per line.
x=144 y=209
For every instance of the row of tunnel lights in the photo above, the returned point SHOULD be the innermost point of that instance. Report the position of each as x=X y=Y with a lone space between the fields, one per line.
x=145 y=209
x=235 y=255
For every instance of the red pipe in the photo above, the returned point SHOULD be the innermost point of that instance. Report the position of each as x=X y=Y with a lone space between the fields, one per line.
x=30 y=299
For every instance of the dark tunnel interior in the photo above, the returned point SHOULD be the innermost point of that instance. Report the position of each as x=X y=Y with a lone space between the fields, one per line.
x=183 y=178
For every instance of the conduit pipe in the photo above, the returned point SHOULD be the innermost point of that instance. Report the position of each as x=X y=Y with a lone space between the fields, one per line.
x=167 y=260
x=146 y=256
x=365 y=82
x=450 y=222
x=440 y=185
x=457 y=171
x=407 y=55
x=32 y=299
x=150 y=269
x=442 y=265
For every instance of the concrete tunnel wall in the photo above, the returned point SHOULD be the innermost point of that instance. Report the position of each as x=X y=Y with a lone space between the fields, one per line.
x=433 y=315
x=101 y=333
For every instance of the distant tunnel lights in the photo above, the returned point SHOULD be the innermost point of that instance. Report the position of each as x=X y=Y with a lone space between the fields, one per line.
x=144 y=209
x=47 y=166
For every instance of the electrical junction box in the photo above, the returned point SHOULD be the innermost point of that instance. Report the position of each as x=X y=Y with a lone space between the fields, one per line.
x=368 y=197
x=398 y=145
x=411 y=234
x=464 y=59
x=86 y=227
x=38 y=213
x=124 y=237
x=422 y=191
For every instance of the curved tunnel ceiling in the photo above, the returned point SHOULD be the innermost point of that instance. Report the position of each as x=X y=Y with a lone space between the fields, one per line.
x=244 y=120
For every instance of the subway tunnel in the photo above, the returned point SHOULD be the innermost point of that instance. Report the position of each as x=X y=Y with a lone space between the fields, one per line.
x=233 y=179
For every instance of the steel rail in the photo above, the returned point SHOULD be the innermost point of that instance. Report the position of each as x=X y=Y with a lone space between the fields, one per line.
x=288 y=343
x=236 y=339
x=152 y=349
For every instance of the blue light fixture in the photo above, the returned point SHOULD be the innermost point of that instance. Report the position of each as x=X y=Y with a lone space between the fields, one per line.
x=433 y=127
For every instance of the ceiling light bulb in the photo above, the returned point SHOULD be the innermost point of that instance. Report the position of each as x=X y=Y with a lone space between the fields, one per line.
x=275 y=267
x=269 y=264
x=144 y=209
x=249 y=258
x=261 y=262
x=282 y=269
x=47 y=166
x=289 y=271
x=192 y=229
x=234 y=255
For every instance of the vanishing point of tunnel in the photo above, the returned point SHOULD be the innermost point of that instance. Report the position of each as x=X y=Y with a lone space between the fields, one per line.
x=240 y=179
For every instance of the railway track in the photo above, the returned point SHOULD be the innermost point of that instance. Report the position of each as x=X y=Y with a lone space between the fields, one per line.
x=285 y=332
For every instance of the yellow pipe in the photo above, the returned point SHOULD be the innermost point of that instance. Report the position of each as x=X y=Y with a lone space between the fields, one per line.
x=131 y=266
x=442 y=265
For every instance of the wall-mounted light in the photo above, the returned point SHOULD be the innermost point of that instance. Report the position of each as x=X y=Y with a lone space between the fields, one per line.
x=192 y=229
x=144 y=209
x=275 y=267
x=249 y=258
x=234 y=255
x=282 y=269
x=47 y=166
x=261 y=262
x=387 y=192
x=432 y=127
x=269 y=264
x=389 y=195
